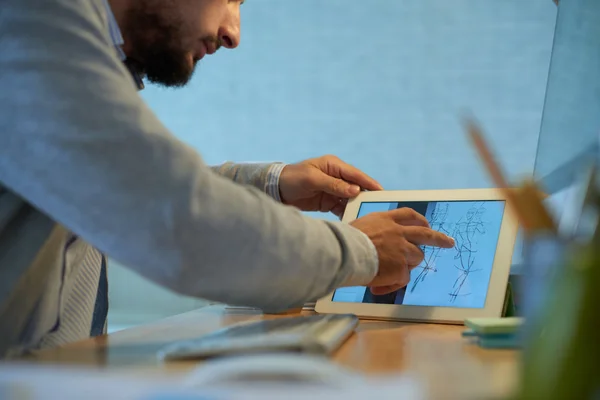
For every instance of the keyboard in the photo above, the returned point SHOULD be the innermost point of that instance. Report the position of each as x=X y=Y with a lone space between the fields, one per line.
x=314 y=334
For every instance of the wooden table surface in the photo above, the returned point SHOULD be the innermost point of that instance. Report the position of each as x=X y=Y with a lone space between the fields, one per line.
x=437 y=354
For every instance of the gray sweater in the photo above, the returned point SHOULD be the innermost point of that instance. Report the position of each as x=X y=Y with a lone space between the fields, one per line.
x=79 y=145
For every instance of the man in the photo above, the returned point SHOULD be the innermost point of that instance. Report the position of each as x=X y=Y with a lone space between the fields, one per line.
x=86 y=169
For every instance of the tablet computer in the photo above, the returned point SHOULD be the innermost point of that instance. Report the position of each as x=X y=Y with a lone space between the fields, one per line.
x=467 y=281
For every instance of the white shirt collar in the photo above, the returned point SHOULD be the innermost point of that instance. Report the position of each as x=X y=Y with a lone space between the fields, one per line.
x=114 y=31
x=117 y=39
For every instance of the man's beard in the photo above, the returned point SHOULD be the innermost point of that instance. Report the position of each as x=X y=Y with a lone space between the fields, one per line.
x=156 y=43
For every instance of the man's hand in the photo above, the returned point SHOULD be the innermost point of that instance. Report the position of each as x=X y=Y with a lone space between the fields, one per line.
x=397 y=235
x=323 y=184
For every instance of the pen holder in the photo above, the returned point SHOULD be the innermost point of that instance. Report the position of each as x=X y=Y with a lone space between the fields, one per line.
x=544 y=256
x=561 y=298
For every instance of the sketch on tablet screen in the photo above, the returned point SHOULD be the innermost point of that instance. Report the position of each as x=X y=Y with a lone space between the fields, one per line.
x=457 y=277
x=437 y=222
x=466 y=234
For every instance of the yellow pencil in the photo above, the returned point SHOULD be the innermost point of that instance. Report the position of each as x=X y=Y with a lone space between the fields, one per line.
x=526 y=202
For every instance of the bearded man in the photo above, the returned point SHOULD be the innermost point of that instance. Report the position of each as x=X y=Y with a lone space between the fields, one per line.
x=88 y=171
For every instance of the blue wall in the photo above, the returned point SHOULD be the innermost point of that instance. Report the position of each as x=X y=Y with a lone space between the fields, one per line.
x=381 y=83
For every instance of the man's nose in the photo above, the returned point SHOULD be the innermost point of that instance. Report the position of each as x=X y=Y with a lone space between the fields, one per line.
x=229 y=34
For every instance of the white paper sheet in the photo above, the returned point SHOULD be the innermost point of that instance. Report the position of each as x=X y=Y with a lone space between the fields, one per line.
x=45 y=383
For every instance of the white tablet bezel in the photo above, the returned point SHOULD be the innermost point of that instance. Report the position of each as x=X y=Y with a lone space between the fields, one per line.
x=494 y=303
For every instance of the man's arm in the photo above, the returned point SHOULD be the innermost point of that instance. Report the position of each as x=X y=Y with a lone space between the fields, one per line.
x=79 y=144
x=263 y=176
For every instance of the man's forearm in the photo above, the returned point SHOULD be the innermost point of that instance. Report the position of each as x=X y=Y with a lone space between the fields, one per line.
x=263 y=176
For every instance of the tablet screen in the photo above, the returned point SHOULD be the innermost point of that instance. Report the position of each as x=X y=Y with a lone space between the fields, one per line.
x=457 y=277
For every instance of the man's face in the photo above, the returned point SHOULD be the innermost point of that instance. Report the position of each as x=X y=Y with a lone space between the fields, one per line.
x=166 y=38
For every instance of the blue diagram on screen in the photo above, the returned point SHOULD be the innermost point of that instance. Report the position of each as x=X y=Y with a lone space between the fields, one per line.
x=457 y=277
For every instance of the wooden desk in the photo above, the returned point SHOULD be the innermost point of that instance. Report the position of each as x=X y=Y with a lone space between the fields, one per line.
x=435 y=353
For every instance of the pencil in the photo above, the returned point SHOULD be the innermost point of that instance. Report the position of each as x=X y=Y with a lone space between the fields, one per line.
x=526 y=202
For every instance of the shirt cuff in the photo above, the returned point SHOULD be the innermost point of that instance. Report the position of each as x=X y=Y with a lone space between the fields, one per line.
x=365 y=263
x=272 y=185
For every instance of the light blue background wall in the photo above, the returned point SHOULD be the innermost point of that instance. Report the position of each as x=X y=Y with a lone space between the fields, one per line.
x=380 y=83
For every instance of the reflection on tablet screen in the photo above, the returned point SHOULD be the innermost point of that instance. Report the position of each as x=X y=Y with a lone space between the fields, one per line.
x=457 y=277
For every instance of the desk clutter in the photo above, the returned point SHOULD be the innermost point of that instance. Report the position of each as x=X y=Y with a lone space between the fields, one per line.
x=561 y=277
